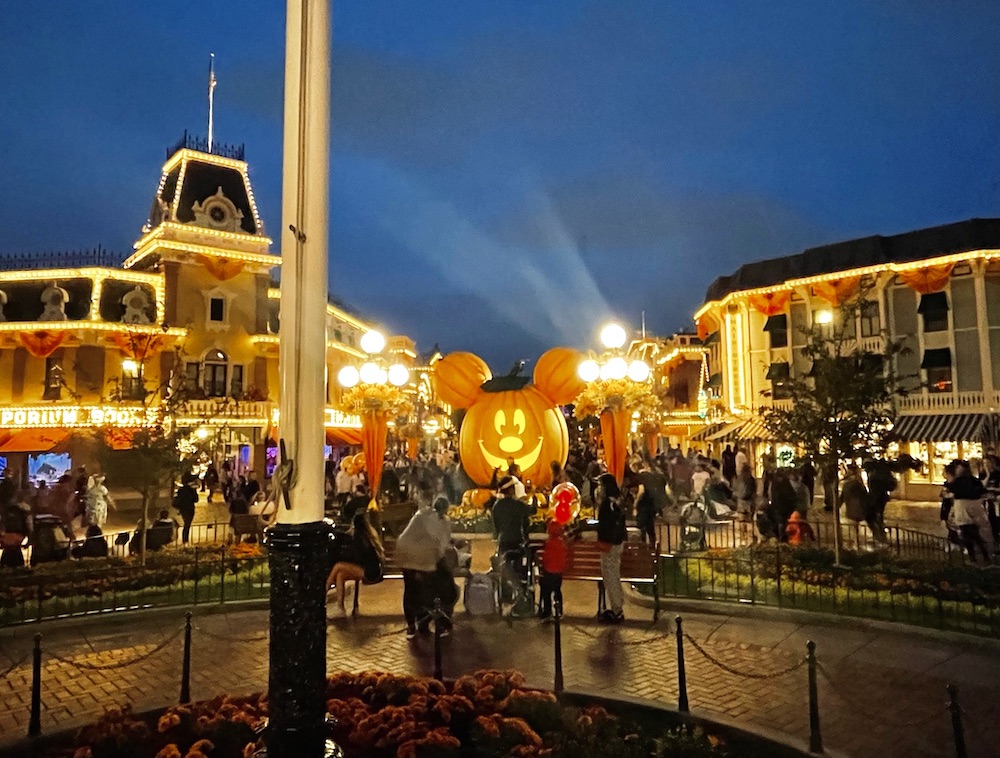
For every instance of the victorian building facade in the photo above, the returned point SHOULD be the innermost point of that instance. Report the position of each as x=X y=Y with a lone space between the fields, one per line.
x=937 y=290
x=87 y=342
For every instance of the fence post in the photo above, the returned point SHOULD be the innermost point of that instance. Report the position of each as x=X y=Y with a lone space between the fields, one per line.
x=196 y=576
x=777 y=575
x=438 y=613
x=815 y=736
x=222 y=575
x=186 y=664
x=35 y=721
x=682 y=687
x=557 y=684
x=956 y=721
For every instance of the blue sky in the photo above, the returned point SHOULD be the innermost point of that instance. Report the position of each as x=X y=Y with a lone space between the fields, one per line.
x=507 y=175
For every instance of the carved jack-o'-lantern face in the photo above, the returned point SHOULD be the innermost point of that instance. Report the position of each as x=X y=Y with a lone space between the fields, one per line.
x=508 y=419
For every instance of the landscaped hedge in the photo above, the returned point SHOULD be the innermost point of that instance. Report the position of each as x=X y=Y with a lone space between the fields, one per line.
x=96 y=576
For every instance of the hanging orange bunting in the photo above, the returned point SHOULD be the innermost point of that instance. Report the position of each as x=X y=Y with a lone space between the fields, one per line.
x=41 y=344
x=705 y=326
x=221 y=268
x=770 y=303
x=836 y=291
x=137 y=346
x=928 y=279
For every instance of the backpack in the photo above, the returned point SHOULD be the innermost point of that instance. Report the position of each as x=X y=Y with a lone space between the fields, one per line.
x=480 y=596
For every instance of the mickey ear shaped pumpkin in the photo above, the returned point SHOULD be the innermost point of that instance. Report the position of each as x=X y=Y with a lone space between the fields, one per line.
x=458 y=378
x=555 y=375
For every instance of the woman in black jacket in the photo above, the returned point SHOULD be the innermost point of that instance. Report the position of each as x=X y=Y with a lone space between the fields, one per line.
x=610 y=536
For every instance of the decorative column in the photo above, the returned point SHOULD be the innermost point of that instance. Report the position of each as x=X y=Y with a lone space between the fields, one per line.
x=298 y=542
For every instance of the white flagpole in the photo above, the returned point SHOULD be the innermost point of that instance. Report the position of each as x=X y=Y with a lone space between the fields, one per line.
x=211 y=99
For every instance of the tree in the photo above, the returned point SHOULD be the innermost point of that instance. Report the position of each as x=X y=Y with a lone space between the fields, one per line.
x=841 y=410
x=152 y=460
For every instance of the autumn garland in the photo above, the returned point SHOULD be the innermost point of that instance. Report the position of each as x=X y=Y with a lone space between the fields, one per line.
x=384 y=398
x=614 y=395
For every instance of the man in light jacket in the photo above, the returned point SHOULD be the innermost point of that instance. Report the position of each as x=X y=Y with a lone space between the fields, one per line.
x=418 y=550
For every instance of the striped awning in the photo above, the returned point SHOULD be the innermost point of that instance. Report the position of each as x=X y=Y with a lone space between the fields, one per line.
x=704 y=434
x=726 y=434
x=754 y=429
x=943 y=427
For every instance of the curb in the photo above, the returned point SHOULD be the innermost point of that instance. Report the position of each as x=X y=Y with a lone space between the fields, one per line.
x=807 y=618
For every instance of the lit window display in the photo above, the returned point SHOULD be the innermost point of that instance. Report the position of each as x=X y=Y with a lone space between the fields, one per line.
x=934 y=456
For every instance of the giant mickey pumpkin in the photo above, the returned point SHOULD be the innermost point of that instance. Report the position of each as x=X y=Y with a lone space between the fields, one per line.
x=508 y=417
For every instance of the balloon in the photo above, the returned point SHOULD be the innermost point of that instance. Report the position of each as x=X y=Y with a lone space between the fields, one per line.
x=565 y=499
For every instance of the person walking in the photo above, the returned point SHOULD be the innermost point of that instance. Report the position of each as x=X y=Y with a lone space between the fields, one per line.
x=511 y=518
x=418 y=550
x=855 y=496
x=610 y=538
x=650 y=500
x=729 y=464
x=968 y=513
x=184 y=504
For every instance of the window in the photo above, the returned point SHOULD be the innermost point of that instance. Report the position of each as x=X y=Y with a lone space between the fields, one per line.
x=779 y=374
x=216 y=369
x=871 y=323
x=131 y=385
x=236 y=390
x=934 y=309
x=822 y=321
x=53 y=378
x=338 y=335
x=192 y=376
x=217 y=309
x=937 y=364
x=777 y=328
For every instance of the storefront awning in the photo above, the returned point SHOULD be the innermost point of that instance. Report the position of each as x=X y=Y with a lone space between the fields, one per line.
x=705 y=433
x=778 y=323
x=33 y=440
x=337 y=435
x=728 y=433
x=939 y=358
x=714 y=381
x=941 y=427
x=754 y=429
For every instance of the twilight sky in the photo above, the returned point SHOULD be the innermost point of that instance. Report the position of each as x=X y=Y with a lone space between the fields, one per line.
x=506 y=175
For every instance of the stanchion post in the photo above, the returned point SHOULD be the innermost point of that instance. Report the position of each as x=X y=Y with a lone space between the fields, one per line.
x=35 y=721
x=956 y=721
x=186 y=663
x=815 y=736
x=682 y=691
x=557 y=685
x=438 y=674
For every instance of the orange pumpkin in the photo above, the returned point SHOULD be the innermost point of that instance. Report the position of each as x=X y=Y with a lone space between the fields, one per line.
x=458 y=376
x=476 y=498
x=556 y=375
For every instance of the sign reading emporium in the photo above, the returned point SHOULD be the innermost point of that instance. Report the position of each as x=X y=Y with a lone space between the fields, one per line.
x=70 y=416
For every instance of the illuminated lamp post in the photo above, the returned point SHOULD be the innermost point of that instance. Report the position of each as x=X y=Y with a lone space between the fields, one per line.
x=617 y=387
x=374 y=392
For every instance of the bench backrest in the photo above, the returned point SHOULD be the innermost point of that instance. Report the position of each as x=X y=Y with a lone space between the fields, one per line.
x=638 y=560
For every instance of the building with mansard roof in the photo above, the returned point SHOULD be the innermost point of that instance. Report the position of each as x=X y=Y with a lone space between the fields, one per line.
x=85 y=337
x=936 y=289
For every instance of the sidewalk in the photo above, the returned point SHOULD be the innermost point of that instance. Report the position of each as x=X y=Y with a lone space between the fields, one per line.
x=881 y=693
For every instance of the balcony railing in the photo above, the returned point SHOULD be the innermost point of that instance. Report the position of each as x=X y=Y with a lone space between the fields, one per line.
x=945 y=402
x=214 y=408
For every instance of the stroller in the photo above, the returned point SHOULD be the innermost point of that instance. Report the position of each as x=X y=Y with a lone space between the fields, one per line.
x=514 y=588
x=693 y=519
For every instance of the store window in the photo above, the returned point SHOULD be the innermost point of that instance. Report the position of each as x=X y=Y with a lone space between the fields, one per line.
x=777 y=328
x=53 y=378
x=192 y=376
x=934 y=309
x=131 y=382
x=779 y=375
x=216 y=368
x=236 y=390
x=871 y=323
x=937 y=364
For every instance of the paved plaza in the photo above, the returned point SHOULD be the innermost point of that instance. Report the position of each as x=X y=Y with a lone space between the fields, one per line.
x=881 y=690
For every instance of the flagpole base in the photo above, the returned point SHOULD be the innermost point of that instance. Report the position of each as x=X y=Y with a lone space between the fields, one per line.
x=299 y=558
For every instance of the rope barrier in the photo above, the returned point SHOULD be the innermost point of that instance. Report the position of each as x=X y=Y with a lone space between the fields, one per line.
x=744 y=674
x=227 y=638
x=116 y=664
x=15 y=665
x=668 y=634
x=850 y=703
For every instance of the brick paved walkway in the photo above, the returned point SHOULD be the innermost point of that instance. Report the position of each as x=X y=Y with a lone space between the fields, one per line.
x=884 y=696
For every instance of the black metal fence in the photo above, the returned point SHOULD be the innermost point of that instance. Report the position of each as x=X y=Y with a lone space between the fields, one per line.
x=195 y=576
x=774 y=576
x=901 y=541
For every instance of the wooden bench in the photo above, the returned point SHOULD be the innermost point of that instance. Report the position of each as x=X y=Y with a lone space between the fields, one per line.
x=389 y=571
x=640 y=565
x=247 y=524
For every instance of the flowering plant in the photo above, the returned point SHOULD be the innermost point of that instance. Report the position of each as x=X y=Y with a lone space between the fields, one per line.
x=615 y=395
x=384 y=398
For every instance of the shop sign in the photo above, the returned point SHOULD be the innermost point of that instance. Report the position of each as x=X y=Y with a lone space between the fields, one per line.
x=336 y=417
x=76 y=416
